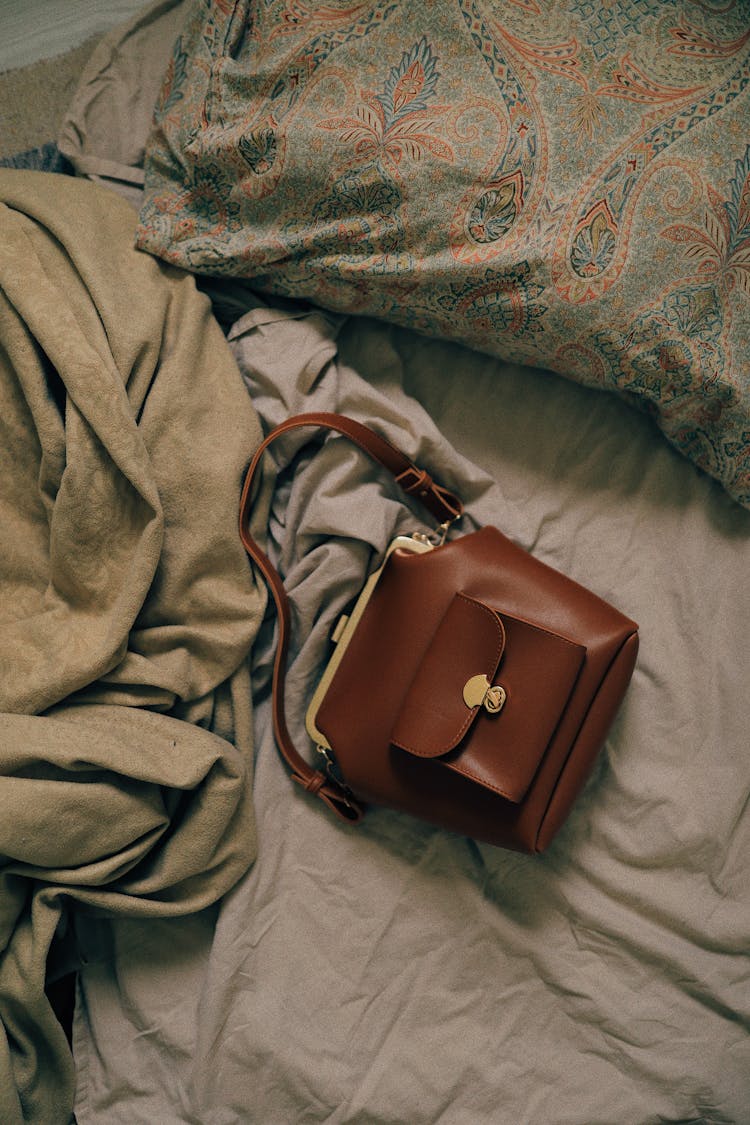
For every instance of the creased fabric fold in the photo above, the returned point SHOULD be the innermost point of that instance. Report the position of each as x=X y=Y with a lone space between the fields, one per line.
x=127 y=605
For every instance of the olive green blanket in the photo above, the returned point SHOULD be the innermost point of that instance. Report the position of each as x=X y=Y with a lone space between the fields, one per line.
x=127 y=607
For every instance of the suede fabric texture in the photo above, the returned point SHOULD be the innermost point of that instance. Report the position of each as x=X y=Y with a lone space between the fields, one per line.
x=127 y=605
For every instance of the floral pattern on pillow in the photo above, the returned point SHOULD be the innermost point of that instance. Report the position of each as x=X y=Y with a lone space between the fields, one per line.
x=563 y=185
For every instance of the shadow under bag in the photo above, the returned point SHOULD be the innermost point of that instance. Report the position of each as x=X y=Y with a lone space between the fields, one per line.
x=470 y=685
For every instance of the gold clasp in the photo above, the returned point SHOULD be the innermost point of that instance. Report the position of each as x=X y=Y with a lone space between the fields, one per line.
x=441 y=532
x=434 y=538
x=479 y=692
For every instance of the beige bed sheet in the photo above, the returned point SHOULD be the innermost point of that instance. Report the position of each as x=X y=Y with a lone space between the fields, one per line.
x=396 y=973
x=106 y=125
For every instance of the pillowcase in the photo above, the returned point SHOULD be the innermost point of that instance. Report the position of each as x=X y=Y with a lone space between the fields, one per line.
x=565 y=186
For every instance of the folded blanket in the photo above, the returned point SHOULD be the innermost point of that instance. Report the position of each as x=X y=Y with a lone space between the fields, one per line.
x=127 y=606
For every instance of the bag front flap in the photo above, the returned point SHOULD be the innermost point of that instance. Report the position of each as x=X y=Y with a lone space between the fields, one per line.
x=488 y=695
x=434 y=717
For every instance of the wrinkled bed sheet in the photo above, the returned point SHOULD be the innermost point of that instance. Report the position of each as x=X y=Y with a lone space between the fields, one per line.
x=106 y=124
x=396 y=973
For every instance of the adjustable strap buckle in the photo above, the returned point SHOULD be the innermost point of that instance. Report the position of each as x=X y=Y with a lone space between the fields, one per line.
x=418 y=482
x=330 y=786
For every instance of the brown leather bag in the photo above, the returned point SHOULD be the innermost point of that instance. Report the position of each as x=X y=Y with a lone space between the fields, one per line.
x=471 y=685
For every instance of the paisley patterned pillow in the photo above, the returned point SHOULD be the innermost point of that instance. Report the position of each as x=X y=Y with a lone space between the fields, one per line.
x=565 y=185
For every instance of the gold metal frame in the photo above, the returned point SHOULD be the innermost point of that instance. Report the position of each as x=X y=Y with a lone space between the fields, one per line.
x=346 y=628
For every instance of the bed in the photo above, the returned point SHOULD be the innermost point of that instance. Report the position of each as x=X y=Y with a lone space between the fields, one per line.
x=294 y=969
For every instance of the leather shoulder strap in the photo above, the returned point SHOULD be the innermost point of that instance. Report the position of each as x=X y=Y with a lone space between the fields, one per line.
x=414 y=481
